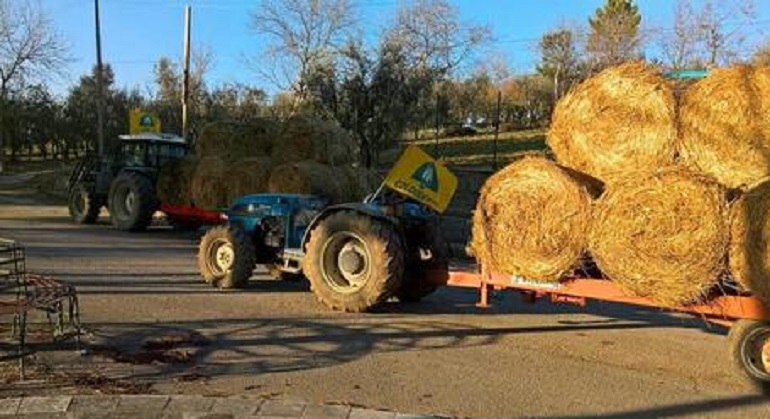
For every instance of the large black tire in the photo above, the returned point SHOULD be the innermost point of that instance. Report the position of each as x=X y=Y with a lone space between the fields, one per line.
x=749 y=342
x=353 y=262
x=417 y=284
x=226 y=257
x=83 y=205
x=132 y=201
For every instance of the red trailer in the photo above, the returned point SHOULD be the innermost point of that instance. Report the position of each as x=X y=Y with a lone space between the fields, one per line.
x=747 y=318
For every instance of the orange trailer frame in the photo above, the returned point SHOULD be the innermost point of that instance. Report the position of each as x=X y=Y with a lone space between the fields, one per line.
x=721 y=309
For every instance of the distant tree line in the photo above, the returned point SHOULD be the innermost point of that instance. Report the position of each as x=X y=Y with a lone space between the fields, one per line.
x=428 y=68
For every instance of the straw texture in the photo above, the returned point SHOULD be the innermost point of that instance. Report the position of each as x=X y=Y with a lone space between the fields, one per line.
x=725 y=125
x=662 y=236
x=623 y=119
x=750 y=241
x=532 y=220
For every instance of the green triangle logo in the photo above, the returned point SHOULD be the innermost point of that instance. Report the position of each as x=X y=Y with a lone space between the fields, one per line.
x=426 y=176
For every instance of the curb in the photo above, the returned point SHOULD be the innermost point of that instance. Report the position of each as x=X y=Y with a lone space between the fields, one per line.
x=184 y=407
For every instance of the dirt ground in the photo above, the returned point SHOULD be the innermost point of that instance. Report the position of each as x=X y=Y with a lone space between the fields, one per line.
x=154 y=327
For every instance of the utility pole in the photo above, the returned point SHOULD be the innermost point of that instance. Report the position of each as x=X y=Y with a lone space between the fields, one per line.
x=497 y=129
x=186 y=73
x=99 y=83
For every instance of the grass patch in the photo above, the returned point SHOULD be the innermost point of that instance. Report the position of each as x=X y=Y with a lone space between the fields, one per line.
x=477 y=149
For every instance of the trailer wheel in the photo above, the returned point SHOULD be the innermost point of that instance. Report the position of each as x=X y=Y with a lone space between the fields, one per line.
x=416 y=284
x=226 y=257
x=750 y=351
x=353 y=261
x=132 y=201
x=83 y=206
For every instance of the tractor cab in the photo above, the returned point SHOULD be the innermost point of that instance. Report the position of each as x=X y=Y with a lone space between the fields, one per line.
x=149 y=150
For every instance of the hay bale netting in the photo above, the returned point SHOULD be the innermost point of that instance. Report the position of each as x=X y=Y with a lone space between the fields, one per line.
x=305 y=138
x=662 y=235
x=750 y=241
x=238 y=140
x=175 y=179
x=622 y=119
x=208 y=186
x=312 y=178
x=725 y=125
x=248 y=176
x=532 y=220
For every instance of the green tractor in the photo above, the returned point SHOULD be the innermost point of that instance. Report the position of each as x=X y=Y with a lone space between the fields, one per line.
x=124 y=181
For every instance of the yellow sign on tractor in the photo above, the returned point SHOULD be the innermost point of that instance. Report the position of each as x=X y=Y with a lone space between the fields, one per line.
x=420 y=177
x=140 y=122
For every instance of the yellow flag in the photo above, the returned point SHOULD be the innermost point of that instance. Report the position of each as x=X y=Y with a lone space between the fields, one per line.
x=140 y=122
x=418 y=176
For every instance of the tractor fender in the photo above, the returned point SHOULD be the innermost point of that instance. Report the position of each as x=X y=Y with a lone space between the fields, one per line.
x=357 y=207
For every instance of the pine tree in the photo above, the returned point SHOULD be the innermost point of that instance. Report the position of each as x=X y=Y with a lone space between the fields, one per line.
x=614 y=34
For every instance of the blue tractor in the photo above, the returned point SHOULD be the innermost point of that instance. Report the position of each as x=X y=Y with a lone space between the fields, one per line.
x=355 y=255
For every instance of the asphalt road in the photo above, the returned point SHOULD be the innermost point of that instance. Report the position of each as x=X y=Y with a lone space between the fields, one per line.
x=155 y=325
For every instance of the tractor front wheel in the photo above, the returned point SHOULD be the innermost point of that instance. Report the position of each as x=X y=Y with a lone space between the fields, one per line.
x=353 y=261
x=132 y=201
x=226 y=257
x=83 y=206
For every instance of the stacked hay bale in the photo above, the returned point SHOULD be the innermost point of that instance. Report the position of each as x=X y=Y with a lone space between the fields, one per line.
x=659 y=230
x=531 y=220
x=298 y=155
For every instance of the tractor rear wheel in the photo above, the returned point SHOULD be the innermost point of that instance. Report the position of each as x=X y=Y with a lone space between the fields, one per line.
x=417 y=284
x=83 y=206
x=354 y=262
x=132 y=201
x=226 y=257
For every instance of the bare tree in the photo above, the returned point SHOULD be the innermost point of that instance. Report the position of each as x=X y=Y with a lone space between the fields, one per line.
x=722 y=29
x=29 y=47
x=305 y=35
x=433 y=36
x=680 y=44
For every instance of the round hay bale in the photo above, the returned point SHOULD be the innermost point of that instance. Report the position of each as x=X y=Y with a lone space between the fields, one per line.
x=174 y=181
x=305 y=138
x=208 y=183
x=238 y=140
x=248 y=176
x=662 y=235
x=725 y=125
x=622 y=119
x=532 y=220
x=310 y=177
x=750 y=241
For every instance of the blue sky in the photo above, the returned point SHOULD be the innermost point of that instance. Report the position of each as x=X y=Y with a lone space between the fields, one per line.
x=135 y=33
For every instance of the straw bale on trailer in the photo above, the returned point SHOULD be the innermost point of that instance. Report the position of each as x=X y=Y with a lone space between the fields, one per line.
x=174 y=180
x=309 y=177
x=237 y=140
x=304 y=138
x=532 y=220
x=750 y=241
x=247 y=176
x=725 y=125
x=622 y=119
x=209 y=183
x=662 y=235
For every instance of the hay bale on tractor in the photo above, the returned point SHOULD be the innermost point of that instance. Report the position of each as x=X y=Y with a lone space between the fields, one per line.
x=662 y=235
x=750 y=241
x=622 y=119
x=532 y=220
x=175 y=180
x=238 y=140
x=247 y=176
x=310 y=177
x=208 y=186
x=725 y=125
x=305 y=138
